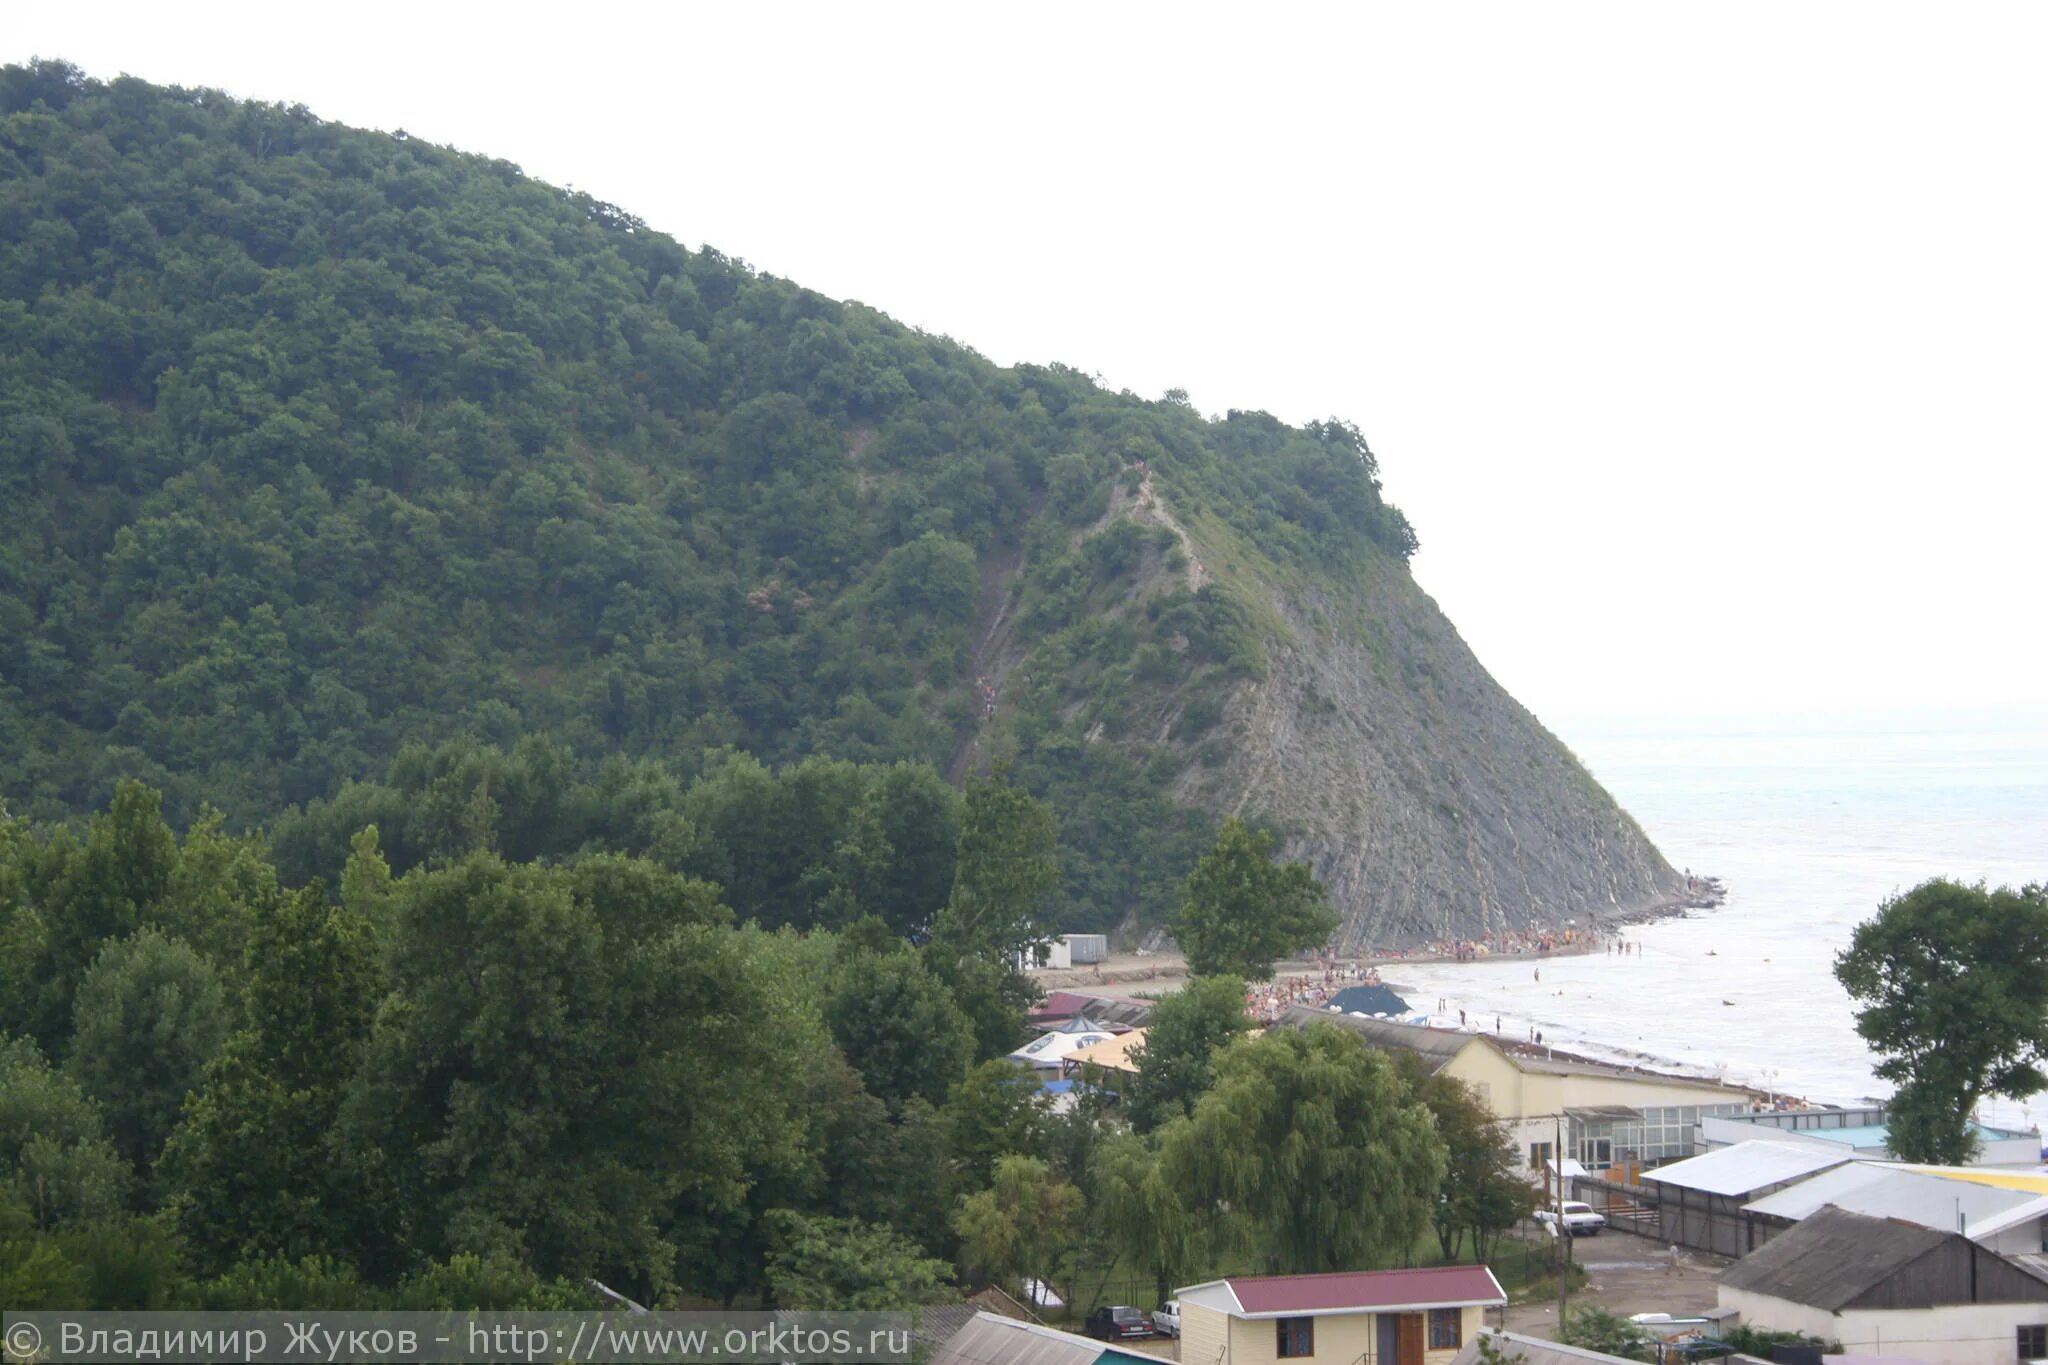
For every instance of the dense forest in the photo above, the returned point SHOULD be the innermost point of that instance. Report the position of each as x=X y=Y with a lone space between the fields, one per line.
x=487 y=1082
x=335 y=460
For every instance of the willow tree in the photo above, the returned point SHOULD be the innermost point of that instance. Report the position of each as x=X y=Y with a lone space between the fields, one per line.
x=1312 y=1151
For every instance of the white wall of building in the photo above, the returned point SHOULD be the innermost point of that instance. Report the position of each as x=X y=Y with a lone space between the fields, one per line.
x=1965 y=1334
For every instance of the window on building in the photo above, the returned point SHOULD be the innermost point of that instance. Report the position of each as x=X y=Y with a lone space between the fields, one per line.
x=1296 y=1337
x=1596 y=1154
x=1539 y=1155
x=1446 y=1329
x=2034 y=1342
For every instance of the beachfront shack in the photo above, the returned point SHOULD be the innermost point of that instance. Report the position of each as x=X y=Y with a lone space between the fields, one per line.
x=1888 y=1288
x=1616 y=1120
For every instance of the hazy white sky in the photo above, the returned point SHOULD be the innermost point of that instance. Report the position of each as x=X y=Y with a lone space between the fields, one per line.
x=1705 y=345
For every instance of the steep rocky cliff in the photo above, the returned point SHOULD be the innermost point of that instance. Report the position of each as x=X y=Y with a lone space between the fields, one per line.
x=1430 y=802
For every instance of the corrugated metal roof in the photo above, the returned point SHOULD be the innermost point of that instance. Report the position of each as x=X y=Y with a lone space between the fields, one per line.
x=1104 y=1009
x=1748 y=1166
x=1439 y=1045
x=990 y=1340
x=1836 y=1258
x=1436 y=1044
x=1351 y=1291
x=1933 y=1199
x=2035 y=1182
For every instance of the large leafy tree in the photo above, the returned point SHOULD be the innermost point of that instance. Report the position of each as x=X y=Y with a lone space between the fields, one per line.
x=1022 y=1224
x=1483 y=1193
x=1182 y=1037
x=1952 y=985
x=253 y=1161
x=897 y=1024
x=1242 y=911
x=1005 y=869
x=1311 y=1152
x=840 y=1263
x=998 y=1109
x=150 y=1014
x=1142 y=1213
x=567 y=1059
x=54 y=1157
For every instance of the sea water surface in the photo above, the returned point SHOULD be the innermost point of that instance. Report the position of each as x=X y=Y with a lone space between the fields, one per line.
x=1810 y=826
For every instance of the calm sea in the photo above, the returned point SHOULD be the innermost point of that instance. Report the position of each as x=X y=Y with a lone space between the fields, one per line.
x=1810 y=826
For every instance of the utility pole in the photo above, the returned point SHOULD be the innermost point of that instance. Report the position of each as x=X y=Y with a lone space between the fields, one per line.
x=1564 y=1260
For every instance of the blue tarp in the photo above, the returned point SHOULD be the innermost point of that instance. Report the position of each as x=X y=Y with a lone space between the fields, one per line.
x=1369 y=1000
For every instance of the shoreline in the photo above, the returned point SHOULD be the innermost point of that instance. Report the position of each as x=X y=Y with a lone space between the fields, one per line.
x=1709 y=894
x=1120 y=972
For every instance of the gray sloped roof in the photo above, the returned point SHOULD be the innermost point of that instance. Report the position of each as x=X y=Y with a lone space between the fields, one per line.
x=1534 y=1351
x=992 y=1340
x=1836 y=1259
x=1884 y=1190
x=1435 y=1045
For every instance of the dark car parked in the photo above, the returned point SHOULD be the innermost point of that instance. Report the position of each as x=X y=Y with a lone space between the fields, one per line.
x=1119 y=1323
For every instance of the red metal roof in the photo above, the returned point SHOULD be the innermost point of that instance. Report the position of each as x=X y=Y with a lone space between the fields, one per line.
x=1062 y=1005
x=1354 y=1289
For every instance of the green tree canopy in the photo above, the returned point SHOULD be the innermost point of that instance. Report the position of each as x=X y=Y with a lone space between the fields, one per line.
x=1185 y=1031
x=1309 y=1153
x=150 y=1014
x=897 y=1024
x=1952 y=987
x=53 y=1153
x=1021 y=1225
x=1243 y=911
x=837 y=1263
x=1005 y=870
x=254 y=1159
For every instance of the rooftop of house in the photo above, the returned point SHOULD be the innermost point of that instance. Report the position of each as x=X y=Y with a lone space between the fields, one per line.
x=1113 y=1054
x=1877 y=1136
x=1747 y=1167
x=1101 y=1009
x=1937 y=1197
x=1533 y=1351
x=1836 y=1258
x=1439 y=1045
x=1347 y=1291
x=992 y=1340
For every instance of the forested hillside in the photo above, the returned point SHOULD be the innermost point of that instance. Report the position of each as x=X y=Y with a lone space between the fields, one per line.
x=340 y=467
x=318 y=442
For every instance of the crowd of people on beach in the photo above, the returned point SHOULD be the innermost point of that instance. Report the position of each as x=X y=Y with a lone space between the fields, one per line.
x=1505 y=943
x=1266 y=1001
